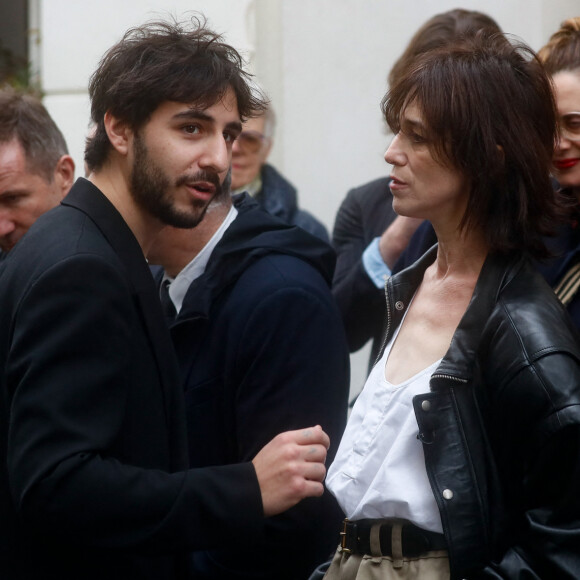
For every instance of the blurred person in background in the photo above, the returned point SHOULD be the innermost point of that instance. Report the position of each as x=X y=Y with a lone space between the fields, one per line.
x=561 y=57
x=36 y=171
x=253 y=174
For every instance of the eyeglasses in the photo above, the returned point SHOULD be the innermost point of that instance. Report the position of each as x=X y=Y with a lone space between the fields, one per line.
x=569 y=125
x=251 y=141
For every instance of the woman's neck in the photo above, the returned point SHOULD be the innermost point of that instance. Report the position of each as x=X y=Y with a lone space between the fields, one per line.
x=460 y=254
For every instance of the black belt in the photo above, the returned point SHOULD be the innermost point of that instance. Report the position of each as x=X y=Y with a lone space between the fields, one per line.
x=355 y=538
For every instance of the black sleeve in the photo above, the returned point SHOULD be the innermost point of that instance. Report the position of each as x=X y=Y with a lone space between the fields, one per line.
x=361 y=303
x=76 y=345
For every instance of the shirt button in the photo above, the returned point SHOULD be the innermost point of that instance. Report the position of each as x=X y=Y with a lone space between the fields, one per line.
x=399 y=305
x=447 y=494
x=426 y=405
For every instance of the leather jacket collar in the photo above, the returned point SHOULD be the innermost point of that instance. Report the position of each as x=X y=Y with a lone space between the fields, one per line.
x=459 y=359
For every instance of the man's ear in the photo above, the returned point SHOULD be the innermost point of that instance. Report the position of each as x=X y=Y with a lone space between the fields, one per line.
x=118 y=132
x=64 y=174
x=267 y=149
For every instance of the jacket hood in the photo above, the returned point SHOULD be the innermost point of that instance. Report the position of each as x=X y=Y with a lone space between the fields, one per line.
x=277 y=196
x=251 y=236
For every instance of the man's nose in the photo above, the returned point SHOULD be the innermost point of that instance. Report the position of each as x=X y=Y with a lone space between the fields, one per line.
x=7 y=226
x=236 y=147
x=217 y=156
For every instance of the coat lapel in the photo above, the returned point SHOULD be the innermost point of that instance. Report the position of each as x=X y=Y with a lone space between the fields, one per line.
x=87 y=198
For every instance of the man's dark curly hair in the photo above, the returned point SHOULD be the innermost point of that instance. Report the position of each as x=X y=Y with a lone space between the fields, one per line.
x=164 y=61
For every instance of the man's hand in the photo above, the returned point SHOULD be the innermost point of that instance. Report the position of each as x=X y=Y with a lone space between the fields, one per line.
x=291 y=467
x=396 y=238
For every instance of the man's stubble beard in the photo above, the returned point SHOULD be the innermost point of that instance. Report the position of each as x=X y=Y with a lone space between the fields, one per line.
x=149 y=187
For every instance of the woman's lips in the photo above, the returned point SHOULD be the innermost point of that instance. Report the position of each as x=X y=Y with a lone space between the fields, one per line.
x=566 y=163
x=396 y=183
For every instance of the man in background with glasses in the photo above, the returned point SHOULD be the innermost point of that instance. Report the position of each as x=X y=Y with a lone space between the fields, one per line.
x=273 y=192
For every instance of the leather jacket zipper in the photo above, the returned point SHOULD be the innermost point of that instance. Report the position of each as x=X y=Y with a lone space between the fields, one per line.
x=388 y=327
x=448 y=377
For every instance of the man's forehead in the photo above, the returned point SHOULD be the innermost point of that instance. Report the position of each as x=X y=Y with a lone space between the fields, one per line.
x=12 y=148
x=12 y=158
x=17 y=172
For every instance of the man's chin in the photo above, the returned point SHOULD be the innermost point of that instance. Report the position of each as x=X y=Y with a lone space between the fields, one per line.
x=184 y=220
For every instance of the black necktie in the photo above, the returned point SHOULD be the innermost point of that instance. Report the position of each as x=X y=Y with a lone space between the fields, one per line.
x=166 y=303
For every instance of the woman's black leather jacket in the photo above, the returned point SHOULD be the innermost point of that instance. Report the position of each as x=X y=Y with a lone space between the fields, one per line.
x=501 y=425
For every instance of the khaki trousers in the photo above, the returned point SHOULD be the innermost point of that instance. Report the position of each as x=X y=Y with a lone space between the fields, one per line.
x=431 y=566
x=346 y=566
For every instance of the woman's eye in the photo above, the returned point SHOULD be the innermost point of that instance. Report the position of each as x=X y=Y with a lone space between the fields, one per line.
x=415 y=137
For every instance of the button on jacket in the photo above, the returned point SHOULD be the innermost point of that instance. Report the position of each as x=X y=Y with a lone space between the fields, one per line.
x=501 y=425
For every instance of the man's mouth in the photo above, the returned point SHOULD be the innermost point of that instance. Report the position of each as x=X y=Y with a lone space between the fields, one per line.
x=202 y=189
x=203 y=185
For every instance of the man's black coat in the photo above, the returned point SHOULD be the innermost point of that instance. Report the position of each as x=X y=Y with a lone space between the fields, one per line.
x=94 y=481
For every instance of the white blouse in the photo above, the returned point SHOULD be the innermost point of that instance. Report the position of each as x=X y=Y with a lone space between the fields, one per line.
x=379 y=469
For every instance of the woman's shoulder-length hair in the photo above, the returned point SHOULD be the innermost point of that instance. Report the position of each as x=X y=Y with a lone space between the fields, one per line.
x=489 y=110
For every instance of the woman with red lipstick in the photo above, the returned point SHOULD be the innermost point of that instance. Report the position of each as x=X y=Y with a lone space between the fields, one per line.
x=461 y=457
x=561 y=57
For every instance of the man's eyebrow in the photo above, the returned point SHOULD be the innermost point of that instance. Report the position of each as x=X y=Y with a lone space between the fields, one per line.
x=194 y=114
x=197 y=115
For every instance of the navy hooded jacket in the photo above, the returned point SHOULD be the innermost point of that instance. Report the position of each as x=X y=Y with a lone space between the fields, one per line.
x=262 y=350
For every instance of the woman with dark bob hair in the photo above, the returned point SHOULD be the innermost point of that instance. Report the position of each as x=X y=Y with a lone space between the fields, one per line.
x=461 y=458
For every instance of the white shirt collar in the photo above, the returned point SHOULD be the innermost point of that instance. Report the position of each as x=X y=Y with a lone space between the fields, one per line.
x=180 y=284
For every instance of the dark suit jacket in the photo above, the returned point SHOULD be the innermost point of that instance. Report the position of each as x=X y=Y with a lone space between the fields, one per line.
x=365 y=214
x=93 y=480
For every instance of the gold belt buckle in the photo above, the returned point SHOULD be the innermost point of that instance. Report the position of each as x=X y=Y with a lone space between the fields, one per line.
x=343 y=537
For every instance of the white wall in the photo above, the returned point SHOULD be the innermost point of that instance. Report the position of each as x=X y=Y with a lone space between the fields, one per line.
x=323 y=62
